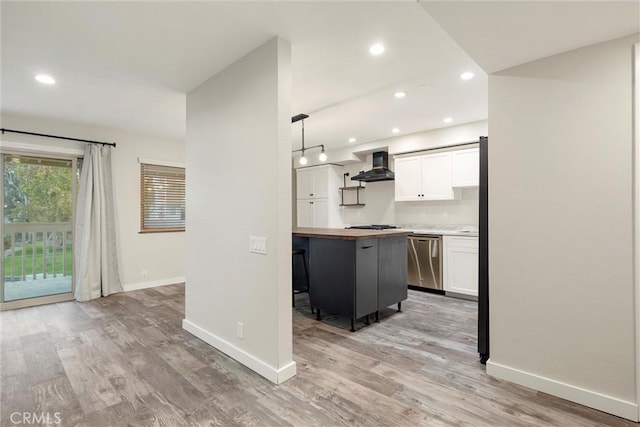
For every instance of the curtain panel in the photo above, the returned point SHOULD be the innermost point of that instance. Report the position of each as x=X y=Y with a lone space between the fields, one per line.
x=96 y=251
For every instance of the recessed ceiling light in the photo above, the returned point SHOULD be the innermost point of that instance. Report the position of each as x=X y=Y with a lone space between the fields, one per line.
x=467 y=76
x=400 y=94
x=448 y=120
x=352 y=139
x=395 y=130
x=376 y=49
x=45 y=79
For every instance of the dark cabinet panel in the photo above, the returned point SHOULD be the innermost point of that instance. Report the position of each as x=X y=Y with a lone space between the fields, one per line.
x=392 y=271
x=332 y=271
x=366 y=252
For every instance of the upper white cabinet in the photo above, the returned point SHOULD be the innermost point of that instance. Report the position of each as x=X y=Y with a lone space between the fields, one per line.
x=460 y=265
x=407 y=178
x=424 y=177
x=313 y=182
x=465 y=167
x=318 y=196
x=436 y=177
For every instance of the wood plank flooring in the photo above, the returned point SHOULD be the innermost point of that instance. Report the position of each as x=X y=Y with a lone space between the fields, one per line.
x=125 y=360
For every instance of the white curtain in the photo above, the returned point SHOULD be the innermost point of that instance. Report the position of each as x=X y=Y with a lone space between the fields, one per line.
x=96 y=250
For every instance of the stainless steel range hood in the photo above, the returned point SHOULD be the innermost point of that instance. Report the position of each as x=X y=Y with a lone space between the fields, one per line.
x=380 y=170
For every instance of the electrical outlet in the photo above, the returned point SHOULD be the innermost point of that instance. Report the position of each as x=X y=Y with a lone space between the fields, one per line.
x=145 y=273
x=240 y=330
x=258 y=245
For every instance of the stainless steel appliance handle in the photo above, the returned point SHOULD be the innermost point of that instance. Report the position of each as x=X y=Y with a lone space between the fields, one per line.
x=433 y=273
x=415 y=255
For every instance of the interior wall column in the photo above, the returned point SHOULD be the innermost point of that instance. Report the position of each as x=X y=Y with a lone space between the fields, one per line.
x=239 y=190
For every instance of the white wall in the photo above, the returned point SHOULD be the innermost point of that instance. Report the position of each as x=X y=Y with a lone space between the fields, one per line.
x=161 y=254
x=560 y=226
x=239 y=172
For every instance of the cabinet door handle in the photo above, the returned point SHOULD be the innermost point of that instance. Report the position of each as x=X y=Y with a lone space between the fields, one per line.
x=310 y=203
x=311 y=194
x=367 y=247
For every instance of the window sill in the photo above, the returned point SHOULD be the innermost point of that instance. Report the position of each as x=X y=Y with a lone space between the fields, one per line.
x=164 y=230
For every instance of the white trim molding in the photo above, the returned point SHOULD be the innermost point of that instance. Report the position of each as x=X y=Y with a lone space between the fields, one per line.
x=275 y=375
x=590 y=398
x=636 y=213
x=127 y=287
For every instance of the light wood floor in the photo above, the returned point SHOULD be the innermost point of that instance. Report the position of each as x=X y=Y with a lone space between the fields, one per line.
x=124 y=360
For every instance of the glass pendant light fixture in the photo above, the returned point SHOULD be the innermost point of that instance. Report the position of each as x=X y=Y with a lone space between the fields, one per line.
x=303 y=159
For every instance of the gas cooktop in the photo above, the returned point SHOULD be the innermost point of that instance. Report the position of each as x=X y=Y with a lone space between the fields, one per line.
x=373 y=227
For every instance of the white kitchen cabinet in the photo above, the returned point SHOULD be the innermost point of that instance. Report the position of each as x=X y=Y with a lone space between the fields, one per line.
x=318 y=197
x=423 y=177
x=460 y=265
x=407 y=178
x=313 y=182
x=465 y=167
x=435 y=172
x=313 y=213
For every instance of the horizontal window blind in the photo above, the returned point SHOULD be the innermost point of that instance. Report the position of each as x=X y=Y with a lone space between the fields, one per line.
x=162 y=198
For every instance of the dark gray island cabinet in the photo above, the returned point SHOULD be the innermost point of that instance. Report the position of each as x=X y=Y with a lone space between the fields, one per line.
x=355 y=273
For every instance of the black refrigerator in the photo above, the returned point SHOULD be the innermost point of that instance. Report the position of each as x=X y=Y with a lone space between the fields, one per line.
x=483 y=253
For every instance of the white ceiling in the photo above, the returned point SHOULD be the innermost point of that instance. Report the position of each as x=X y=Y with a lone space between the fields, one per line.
x=503 y=34
x=128 y=65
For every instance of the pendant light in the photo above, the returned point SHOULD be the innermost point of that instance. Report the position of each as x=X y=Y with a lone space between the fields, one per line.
x=303 y=159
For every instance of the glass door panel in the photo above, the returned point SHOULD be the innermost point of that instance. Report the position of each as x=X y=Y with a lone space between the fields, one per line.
x=37 y=206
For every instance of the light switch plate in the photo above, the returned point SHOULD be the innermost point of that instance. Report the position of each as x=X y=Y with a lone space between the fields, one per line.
x=258 y=245
x=240 y=331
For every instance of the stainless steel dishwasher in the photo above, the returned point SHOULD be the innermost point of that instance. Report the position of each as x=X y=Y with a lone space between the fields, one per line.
x=424 y=259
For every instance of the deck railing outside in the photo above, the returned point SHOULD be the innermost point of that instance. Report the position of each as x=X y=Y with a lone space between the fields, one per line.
x=37 y=250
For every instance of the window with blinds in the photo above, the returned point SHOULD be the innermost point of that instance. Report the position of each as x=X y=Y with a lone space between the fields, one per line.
x=162 y=198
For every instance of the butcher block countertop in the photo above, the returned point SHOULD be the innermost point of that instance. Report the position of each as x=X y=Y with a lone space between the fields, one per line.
x=346 y=234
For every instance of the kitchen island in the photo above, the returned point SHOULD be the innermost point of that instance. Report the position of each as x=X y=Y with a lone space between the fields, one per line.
x=352 y=272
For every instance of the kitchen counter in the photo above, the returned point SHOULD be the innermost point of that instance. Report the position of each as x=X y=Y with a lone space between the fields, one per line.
x=347 y=234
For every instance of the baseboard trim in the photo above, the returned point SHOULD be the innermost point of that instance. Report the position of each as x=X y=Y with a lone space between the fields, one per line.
x=152 y=283
x=277 y=376
x=592 y=399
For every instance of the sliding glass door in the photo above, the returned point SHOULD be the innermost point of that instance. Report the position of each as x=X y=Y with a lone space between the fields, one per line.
x=38 y=201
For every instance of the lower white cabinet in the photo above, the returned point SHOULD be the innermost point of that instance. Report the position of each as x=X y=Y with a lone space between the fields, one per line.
x=460 y=265
x=313 y=213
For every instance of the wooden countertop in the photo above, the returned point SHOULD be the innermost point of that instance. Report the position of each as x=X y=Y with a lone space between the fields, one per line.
x=346 y=234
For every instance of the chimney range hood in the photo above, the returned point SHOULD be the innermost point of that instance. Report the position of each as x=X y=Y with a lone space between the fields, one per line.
x=380 y=170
